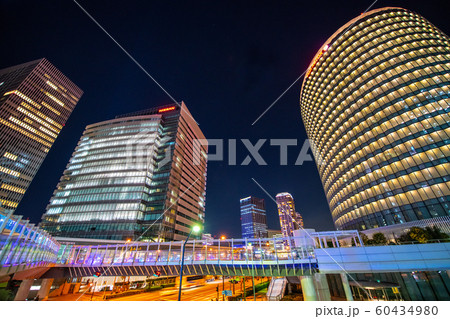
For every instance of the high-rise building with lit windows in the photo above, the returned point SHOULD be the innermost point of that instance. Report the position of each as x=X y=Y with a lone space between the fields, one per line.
x=140 y=176
x=290 y=220
x=36 y=100
x=375 y=102
x=253 y=217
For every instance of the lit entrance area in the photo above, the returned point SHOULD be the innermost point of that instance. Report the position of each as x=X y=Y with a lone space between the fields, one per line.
x=367 y=290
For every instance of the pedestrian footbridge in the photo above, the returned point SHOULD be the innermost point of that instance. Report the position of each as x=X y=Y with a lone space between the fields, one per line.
x=29 y=252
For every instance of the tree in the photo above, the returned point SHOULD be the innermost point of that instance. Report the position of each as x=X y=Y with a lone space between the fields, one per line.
x=404 y=238
x=379 y=239
x=419 y=234
x=365 y=239
x=435 y=233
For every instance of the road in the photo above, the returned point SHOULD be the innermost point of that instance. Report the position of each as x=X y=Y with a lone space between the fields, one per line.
x=202 y=293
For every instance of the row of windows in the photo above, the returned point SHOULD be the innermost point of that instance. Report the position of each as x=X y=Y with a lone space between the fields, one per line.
x=107 y=154
x=101 y=216
x=355 y=47
x=375 y=106
x=365 y=75
x=394 y=174
x=129 y=142
x=104 y=182
x=421 y=150
x=407 y=213
x=118 y=124
x=385 y=102
x=99 y=208
x=86 y=191
x=419 y=195
x=105 y=169
x=364 y=125
x=404 y=130
x=100 y=197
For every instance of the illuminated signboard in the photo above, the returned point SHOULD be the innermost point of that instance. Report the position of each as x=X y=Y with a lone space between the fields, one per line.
x=166 y=109
x=325 y=48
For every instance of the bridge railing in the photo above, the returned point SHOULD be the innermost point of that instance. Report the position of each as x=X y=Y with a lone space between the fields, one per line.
x=22 y=243
x=231 y=251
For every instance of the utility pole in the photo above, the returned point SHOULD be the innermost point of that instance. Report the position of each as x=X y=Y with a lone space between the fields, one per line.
x=234 y=290
x=223 y=287
x=93 y=290
x=253 y=284
x=245 y=294
x=104 y=288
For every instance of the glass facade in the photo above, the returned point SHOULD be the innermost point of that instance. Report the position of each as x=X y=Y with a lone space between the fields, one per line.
x=375 y=102
x=36 y=100
x=290 y=220
x=134 y=177
x=409 y=286
x=253 y=217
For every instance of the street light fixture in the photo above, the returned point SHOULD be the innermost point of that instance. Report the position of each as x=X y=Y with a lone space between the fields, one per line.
x=194 y=229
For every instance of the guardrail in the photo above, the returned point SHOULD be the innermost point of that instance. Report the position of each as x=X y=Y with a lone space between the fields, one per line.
x=24 y=244
x=251 y=251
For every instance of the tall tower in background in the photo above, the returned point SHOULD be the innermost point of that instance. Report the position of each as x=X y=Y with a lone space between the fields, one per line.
x=290 y=220
x=253 y=217
x=36 y=100
x=138 y=176
x=375 y=101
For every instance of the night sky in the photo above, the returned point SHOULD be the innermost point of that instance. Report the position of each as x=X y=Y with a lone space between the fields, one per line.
x=227 y=60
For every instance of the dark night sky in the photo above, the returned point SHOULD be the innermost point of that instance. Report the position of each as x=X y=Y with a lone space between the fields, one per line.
x=227 y=60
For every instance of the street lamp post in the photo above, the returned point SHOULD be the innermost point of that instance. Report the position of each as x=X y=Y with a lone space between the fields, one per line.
x=194 y=229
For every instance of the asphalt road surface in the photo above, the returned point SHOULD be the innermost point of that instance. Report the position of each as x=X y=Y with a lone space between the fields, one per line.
x=201 y=293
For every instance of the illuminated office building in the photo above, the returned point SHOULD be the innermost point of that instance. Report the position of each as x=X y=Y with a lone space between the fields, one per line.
x=375 y=102
x=290 y=220
x=140 y=176
x=36 y=100
x=253 y=217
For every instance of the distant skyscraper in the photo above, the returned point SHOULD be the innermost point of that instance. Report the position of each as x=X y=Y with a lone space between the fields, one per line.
x=273 y=232
x=289 y=218
x=136 y=171
x=375 y=101
x=253 y=217
x=36 y=100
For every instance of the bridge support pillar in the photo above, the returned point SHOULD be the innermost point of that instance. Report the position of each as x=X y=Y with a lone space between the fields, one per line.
x=65 y=288
x=45 y=288
x=346 y=286
x=24 y=289
x=322 y=288
x=308 y=289
x=76 y=288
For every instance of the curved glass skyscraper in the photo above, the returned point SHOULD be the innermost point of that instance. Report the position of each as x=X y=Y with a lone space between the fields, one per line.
x=375 y=102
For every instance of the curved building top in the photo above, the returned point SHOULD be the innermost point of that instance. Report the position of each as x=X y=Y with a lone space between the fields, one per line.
x=335 y=35
x=375 y=102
